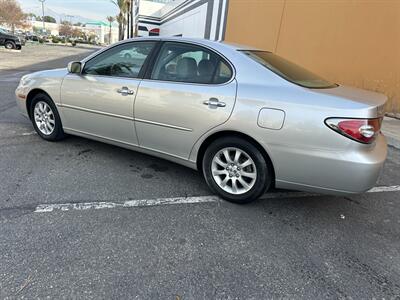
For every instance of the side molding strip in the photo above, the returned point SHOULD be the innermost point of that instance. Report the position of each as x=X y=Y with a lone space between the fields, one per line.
x=124 y=117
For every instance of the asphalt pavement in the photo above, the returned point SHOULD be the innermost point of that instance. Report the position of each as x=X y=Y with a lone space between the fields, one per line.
x=129 y=233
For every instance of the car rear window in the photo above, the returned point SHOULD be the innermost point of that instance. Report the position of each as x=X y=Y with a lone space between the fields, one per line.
x=288 y=70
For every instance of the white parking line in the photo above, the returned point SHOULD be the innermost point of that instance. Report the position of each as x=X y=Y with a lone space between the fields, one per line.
x=130 y=203
x=28 y=133
x=180 y=200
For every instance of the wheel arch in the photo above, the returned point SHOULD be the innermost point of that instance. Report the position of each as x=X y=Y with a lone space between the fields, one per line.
x=30 y=97
x=229 y=133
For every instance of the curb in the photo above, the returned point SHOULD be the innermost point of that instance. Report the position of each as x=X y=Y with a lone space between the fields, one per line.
x=391 y=130
x=392 y=141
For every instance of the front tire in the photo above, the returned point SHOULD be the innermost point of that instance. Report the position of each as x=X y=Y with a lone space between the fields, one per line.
x=45 y=118
x=236 y=170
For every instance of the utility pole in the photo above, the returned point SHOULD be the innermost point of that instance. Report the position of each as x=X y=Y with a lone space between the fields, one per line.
x=42 y=1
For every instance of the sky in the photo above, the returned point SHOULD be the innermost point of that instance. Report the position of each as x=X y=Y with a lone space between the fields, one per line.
x=91 y=9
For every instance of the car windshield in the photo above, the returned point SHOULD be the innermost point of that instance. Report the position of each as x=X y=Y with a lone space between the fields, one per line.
x=289 y=70
x=3 y=31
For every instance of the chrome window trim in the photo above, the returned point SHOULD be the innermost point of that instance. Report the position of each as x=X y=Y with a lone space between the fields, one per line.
x=106 y=76
x=189 y=83
x=94 y=55
x=156 y=40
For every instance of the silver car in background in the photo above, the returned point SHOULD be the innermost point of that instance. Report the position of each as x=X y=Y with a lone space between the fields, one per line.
x=247 y=119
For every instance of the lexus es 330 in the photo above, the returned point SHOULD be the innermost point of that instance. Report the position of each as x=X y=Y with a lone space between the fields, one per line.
x=246 y=118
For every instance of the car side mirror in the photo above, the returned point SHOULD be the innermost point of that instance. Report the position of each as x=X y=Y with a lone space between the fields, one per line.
x=75 y=67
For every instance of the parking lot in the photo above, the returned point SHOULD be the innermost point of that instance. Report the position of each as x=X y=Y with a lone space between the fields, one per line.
x=79 y=218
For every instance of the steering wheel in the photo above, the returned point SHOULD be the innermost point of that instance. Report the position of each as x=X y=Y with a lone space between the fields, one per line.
x=118 y=68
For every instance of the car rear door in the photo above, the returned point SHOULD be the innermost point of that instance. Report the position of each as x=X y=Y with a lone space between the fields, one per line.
x=189 y=90
x=99 y=101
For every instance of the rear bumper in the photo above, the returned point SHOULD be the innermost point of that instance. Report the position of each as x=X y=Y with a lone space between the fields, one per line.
x=354 y=171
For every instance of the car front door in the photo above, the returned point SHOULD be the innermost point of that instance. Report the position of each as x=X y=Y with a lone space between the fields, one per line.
x=99 y=101
x=190 y=90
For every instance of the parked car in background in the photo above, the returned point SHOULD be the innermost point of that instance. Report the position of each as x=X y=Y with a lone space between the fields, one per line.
x=245 y=118
x=9 y=40
x=32 y=38
x=38 y=38
x=22 y=38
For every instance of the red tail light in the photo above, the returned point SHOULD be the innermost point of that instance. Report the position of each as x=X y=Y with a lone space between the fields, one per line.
x=360 y=130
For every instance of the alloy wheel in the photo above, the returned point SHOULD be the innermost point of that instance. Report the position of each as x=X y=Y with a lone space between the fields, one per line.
x=44 y=118
x=233 y=170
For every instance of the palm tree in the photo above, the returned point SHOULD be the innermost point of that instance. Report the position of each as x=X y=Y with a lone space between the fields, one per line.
x=121 y=4
x=128 y=12
x=110 y=19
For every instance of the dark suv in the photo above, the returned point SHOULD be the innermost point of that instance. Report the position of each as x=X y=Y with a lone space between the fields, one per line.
x=8 y=40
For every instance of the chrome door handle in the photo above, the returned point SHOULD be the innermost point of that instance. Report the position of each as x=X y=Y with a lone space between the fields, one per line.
x=125 y=91
x=214 y=103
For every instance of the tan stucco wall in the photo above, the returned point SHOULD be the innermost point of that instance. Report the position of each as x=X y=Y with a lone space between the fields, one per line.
x=353 y=42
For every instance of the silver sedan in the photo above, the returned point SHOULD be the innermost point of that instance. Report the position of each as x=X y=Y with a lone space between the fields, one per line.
x=246 y=118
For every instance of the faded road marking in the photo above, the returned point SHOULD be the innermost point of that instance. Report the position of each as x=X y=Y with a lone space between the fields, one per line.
x=180 y=200
x=129 y=203
x=28 y=133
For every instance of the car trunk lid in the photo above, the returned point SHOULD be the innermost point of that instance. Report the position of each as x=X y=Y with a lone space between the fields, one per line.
x=368 y=99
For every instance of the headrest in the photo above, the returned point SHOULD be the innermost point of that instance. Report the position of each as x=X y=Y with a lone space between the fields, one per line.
x=206 y=67
x=186 y=68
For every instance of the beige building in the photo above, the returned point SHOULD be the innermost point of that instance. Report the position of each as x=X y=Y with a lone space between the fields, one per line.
x=353 y=42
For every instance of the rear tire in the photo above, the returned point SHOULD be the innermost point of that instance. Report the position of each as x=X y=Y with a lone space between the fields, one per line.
x=10 y=45
x=236 y=170
x=45 y=118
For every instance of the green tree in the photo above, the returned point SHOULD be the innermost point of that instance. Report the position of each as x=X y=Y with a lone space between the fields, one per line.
x=31 y=16
x=36 y=29
x=49 y=19
x=110 y=19
x=121 y=19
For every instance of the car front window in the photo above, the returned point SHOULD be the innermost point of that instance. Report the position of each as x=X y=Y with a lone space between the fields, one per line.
x=288 y=70
x=124 y=60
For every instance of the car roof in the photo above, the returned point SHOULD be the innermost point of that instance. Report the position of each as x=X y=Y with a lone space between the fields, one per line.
x=205 y=42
